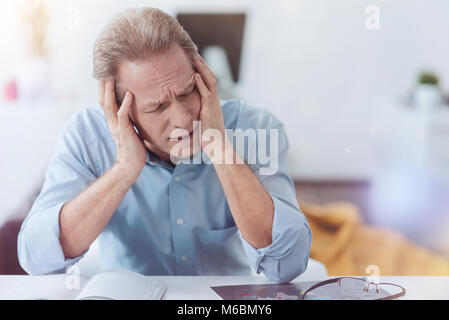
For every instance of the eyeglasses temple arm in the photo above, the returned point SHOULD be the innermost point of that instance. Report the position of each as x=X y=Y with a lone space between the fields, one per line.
x=319 y=284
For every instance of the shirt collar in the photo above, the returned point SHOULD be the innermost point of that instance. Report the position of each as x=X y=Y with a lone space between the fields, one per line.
x=152 y=159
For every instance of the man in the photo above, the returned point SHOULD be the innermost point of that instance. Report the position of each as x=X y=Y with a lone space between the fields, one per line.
x=114 y=175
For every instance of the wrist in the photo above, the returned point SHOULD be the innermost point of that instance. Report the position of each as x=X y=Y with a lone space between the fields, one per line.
x=125 y=172
x=222 y=152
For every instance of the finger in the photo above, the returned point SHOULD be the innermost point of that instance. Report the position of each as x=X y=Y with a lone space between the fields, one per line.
x=125 y=108
x=204 y=64
x=102 y=89
x=201 y=63
x=201 y=85
x=110 y=102
x=207 y=75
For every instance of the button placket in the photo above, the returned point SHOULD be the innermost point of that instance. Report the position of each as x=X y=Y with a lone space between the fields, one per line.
x=183 y=238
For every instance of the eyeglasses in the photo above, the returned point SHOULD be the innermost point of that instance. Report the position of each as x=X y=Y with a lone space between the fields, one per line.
x=351 y=288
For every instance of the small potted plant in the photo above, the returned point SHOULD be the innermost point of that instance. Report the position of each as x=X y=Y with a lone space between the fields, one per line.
x=427 y=93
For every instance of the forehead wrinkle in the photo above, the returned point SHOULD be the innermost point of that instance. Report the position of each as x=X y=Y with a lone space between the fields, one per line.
x=181 y=91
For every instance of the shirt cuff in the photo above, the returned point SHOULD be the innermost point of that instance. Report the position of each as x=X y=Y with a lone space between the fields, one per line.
x=288 y=224
x=43 y=252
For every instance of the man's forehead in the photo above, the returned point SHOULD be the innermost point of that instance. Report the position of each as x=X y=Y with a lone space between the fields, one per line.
x=160 y=92
x=149 y=80
x=147 y=75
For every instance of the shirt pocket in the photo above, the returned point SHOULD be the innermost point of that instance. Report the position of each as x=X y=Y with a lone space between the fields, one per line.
x=221 y=252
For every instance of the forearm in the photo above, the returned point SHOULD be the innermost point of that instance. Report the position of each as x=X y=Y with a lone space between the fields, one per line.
x=286 y=257
x=84 y=218
x=250 y=204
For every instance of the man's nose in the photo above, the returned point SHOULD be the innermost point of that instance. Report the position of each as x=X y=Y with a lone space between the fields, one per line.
x=180 y=116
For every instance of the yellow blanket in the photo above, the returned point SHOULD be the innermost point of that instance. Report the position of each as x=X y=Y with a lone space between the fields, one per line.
x=346 y=246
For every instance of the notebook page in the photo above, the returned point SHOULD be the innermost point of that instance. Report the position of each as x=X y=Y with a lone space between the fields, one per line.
x=48 y=287
x=122 y=285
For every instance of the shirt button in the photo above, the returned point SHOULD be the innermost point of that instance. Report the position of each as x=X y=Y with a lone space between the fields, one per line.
x=177 y=178
x=179 y=221
x=183 y=258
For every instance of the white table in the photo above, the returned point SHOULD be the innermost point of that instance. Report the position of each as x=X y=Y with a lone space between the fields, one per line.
x=198 y=287
x=178 y=287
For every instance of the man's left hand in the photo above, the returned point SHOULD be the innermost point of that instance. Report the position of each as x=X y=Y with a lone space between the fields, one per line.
x=211 y=116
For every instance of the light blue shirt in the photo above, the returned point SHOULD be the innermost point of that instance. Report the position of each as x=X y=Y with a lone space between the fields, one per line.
x=173 y=220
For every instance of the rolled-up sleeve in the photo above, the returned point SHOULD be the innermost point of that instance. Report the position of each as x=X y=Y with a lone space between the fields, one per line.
x=287 y=256
x=69 y=172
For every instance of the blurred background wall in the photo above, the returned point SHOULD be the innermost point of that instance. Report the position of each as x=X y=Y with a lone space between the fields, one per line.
x=343 y=76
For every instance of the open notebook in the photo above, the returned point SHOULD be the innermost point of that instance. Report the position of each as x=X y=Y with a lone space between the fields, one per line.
x=114 y=284
x=122 y=285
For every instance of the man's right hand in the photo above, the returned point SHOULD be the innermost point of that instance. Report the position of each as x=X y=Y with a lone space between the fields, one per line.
x=83 y=218
x=131 y=152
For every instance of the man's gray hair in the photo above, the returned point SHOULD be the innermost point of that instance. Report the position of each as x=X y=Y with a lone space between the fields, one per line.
x=135 y=35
